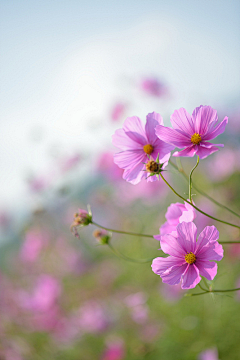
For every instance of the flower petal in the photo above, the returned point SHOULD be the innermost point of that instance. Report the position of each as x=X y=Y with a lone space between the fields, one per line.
x=134 y=129
x=189 y=213
x=174 y=211
x=174 y=274
x=166 y=228
x=187 y=234
x=191 y=277
x=153 y=119
x=209 y=233
x=172 y=246
x=212 y=251
x=163 y=149
x=134 y=175
x=219 y=129
x=182 y=120
x=160 y=265
x=203 y=116
x=122 y=141
x=190 y=151
x=203 y=152
x=129 y=159
x=207 y=269
x=172 y=136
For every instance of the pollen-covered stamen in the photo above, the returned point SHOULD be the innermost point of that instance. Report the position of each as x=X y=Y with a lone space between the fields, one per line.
x=190 y=258
x=152 y=166
x=148 y=149
x=196 y=139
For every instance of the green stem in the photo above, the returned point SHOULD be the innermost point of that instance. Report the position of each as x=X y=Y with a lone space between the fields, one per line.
x=212 y=291
x=190 y=180
x=119 y=254
x=205 y=283
x=201 y=287
x=202 y=192
x=229 y=242
x=195 y=207
x=122 y=232
x=151 y=236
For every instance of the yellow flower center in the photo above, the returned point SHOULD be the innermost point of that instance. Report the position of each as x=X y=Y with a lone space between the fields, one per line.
x=196 y=139
x=190 y=258
x=148 y=149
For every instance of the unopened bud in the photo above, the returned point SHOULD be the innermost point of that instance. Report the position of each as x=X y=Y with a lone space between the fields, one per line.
x=102 y=236
x=152 y=166
x=82 y=218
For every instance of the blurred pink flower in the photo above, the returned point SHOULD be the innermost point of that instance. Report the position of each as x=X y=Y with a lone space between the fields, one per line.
x=137 y=143
x=139 y=313
x=33 y=244
x=138 y=309
x=176 y=213
x=44 y=296
x=188 y=259
x=136 y=299
x=171 y=293
x=149 y=192
x=224 y=164
x=38 y=184
x=92 y=317
x=118 y=111
x=115 y=351
x=69 y=162
x=107 y=167
x=193 y=132
x=209 y=354
x=153 y=87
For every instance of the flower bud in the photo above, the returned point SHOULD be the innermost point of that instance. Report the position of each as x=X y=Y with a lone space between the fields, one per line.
x=82 y=218
x=102 y=236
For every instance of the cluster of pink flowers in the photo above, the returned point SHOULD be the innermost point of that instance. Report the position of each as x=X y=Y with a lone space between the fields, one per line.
x=139 y=144
x=145 y=151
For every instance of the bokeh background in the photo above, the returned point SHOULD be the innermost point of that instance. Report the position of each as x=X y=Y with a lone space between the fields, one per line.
x=71 y=72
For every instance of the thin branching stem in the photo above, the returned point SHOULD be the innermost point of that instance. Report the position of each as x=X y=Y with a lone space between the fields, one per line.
x=119 y=254
x=195 y=207
x=190 y=180
x=121 y=232
x=180 y=169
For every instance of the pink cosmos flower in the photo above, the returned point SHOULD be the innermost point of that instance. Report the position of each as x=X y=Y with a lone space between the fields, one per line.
x=176 y=213
x=193 y=132
x=188 y=259
x=137 y=143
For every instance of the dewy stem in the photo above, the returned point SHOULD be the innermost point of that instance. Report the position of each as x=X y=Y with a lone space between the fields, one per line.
x=195 y=207
x=190 y=180
x=122 y=232
x=202 y=192
x=119 y=254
